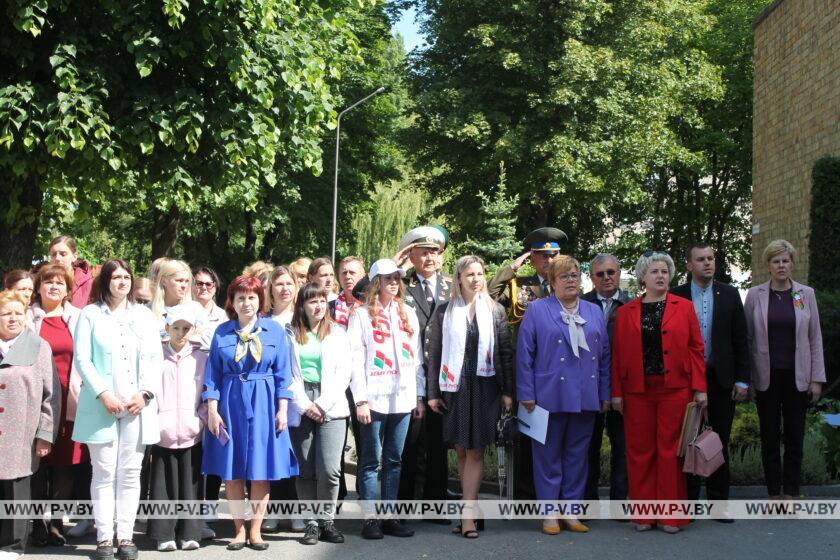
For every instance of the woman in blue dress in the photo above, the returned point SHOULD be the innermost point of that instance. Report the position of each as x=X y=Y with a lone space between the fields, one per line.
x=247 y=390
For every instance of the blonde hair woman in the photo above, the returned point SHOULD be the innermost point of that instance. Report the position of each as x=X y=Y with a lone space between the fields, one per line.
x=174 y=287
x=259 y=270
x=470 y=374
x=299 y=268
x=280 y=295
x=788 y=369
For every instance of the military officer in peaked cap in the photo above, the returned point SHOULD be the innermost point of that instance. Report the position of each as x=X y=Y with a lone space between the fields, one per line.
x=425 y=453
x=515 y=293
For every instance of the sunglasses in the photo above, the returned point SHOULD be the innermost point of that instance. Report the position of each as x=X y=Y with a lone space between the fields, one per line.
x=204 y=284
x=603 y=273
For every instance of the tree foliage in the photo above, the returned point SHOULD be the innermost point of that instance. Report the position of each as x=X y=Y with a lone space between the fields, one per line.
x=577 y=98
x=496 y=241
x=172 y=107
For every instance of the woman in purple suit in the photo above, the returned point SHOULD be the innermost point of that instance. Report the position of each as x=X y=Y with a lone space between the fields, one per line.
x=563 y=365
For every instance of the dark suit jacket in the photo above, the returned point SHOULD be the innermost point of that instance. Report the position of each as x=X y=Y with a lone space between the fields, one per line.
x=415 y=297
x=623 y=298
x=730 y=352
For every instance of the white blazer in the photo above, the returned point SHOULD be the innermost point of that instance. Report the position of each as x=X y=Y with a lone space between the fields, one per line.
x=335 y=378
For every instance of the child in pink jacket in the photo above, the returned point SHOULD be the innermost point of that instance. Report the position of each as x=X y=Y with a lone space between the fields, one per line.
x=176 y=459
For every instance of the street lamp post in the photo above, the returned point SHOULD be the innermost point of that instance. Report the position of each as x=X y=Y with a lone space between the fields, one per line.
x=337 y=141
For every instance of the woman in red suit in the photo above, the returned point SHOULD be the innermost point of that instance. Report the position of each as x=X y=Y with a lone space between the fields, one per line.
x=657 y=368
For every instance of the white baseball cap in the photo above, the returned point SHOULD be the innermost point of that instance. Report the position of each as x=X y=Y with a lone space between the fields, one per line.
x=384 y=267
x=181 y=313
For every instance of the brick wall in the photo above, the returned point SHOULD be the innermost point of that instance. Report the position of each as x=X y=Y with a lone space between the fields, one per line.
x=796 y=120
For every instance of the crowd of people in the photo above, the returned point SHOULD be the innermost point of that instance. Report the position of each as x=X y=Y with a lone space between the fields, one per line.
x=128 y=387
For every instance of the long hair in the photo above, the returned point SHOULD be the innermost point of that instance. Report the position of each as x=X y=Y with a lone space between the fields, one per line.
x=373 y=305
x=300 y=324
x=462 y=265
x=315 y=266
x=14 y=276
x=247 y=284
x=167 y=270
x=278 y=271
x=101 y=291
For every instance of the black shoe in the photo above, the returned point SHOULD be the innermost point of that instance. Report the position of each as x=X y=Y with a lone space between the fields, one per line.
x=38 y=537
x=371 y=530
x=104 y=551
x=453 y=495
x=311 y=534
x=330 y=534
x=396 y=529
x=239 y=545
x=258 y=546
x=127 y=550
x=270 y=526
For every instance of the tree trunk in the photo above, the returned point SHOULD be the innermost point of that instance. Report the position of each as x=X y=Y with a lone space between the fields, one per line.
x=250 y=237
x=17 y=240
x=165 y=232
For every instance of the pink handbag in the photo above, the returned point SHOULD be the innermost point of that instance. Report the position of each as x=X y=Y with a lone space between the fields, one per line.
x=704 y=454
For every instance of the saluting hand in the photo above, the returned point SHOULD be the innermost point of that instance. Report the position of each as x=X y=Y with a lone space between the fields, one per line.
x=520 y=260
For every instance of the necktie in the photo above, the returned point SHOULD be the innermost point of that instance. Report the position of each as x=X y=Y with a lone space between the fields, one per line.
x=428 y=291
x=248 y=342
x=606 y=303
x=546 y=287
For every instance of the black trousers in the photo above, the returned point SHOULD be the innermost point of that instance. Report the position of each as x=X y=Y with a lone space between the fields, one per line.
x=14 y=532
x=721 y=414
x=614 y=423
x=782 y=404
x=175 y=474
x=56 y=483
x=523 y=465
x=425 y=470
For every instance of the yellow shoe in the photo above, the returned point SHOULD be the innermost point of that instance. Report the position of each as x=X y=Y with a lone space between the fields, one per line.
x=575 y=526
x=551 y=527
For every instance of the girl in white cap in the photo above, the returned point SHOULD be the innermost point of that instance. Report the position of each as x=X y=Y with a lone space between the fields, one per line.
x=388 y=384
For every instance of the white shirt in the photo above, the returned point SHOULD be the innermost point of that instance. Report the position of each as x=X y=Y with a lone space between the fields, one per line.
x=125 y=367
x=432 y=282
x=6 y=345
x=606 y=302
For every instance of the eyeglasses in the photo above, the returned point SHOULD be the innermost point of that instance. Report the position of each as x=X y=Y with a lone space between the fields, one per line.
x=570 y=276
x=204 y=284
x=602 y=273
x=546 y=254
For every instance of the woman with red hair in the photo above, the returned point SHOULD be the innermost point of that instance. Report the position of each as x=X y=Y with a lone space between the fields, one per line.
x=246 y=383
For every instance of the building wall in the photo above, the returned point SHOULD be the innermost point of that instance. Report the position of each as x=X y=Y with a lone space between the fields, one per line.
x=796 y=119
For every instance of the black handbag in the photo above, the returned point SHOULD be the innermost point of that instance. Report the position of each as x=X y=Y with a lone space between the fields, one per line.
x=506 y=430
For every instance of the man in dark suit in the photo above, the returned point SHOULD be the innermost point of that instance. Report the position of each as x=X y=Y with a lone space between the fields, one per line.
x=724 y=328
x=424 y=459
x=605 y=273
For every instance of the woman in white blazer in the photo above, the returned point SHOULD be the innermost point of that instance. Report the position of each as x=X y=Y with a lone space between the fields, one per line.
x=788 y=368
x=320 y=377
x=118 y=355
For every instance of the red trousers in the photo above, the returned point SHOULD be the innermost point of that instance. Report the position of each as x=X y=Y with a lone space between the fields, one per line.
x=652 y=424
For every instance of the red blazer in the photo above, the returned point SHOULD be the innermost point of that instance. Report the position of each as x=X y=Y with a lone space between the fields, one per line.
x=682 y=348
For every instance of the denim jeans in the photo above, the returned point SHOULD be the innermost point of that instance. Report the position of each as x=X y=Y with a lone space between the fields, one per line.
x=384 y=437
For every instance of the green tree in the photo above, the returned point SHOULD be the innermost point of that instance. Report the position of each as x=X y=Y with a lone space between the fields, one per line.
x=577 y=98
x=703 y=192
x=168 y=106
x=497 y=241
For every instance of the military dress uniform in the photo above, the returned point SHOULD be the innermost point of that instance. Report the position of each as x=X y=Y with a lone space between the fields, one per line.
x=515 y=293
x=425 y=468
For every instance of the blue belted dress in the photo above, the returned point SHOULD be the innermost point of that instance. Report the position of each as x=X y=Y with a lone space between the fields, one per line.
x=247 y=392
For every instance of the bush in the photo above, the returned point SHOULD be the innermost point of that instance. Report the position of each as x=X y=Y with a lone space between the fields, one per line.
x=745 y=429
x=829 y=306
x=745 y=466
x=825 y=224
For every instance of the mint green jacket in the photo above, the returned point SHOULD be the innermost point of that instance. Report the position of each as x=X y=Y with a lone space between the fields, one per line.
x=96 y=355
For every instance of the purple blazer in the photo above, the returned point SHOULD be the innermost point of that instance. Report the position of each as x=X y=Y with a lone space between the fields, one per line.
x=547 y=370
